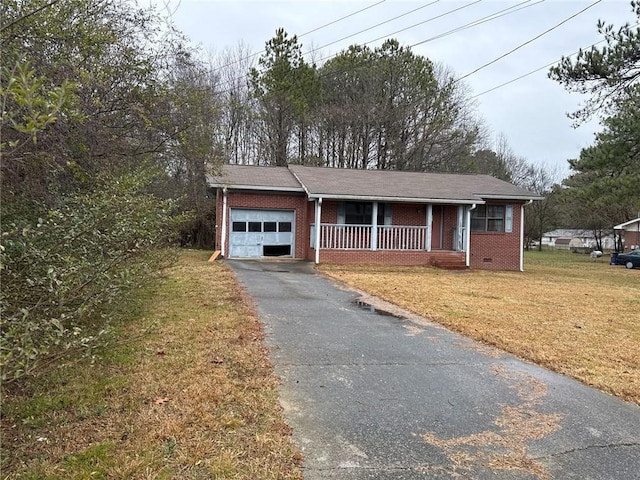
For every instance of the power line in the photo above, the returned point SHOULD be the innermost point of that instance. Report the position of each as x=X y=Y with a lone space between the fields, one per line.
x=385 y=36
x=527 y=42
x=253 y=55
x=476 y=22
x=480 y=21
x=345 y=17
x=542 y=68
x=361 y=31
x=387 y=21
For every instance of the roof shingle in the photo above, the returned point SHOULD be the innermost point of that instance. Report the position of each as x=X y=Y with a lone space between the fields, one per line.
x=384 y=185
x=253 y=178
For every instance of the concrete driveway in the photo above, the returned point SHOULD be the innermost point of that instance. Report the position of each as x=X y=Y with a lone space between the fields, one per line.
x=375 y=396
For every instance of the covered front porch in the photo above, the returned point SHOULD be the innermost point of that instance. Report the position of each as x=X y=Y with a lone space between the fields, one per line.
x=438 y=235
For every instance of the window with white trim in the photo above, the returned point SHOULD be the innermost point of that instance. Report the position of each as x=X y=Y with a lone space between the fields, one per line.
x=492 y=218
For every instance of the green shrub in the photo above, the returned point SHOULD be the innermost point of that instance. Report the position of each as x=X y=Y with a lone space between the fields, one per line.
x=64 y=269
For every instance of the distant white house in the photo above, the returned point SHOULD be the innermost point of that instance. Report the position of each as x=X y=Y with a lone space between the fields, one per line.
x=574 y=238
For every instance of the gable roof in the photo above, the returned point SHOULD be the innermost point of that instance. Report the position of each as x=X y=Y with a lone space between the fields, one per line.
x=626 y=224
x=396 y=185
x=249 y=177
x=372 y=185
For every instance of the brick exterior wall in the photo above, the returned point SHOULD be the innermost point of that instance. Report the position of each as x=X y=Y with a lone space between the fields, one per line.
x=380 y=257
x=631 y=240
x=272 y=201
x=497 y=251
x=489 y=251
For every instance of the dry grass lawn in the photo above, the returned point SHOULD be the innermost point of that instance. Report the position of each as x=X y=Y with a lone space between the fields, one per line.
x=565 y=312
x=188 y=393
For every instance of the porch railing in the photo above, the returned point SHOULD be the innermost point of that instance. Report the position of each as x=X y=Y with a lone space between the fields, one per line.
x=345 y=237
x=402 y=238
x=359 y=237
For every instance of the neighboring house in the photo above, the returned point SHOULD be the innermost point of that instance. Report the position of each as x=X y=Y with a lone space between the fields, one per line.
x=630 y=232
x=562 y=243
x=370 y=216
x=564 y=239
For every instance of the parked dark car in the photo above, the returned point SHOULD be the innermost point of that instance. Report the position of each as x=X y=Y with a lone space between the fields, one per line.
x=629 y=260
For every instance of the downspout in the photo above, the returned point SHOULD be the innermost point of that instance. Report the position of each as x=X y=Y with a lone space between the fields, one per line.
x=223 y=235
x=467 y=239
x=317 y=232
x=522 y=234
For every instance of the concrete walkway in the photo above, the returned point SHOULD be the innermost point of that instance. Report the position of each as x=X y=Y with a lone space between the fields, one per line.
x=373 y=396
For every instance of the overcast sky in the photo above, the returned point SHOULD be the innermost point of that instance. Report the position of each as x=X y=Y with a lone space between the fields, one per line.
x=530 y=112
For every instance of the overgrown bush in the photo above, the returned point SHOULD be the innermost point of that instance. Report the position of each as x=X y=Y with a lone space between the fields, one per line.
x=65 y=268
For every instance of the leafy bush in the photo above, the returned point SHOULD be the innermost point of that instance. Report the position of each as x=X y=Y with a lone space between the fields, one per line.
x=65 y=268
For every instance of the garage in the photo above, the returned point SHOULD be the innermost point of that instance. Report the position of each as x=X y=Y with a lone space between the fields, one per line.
x=261 y=233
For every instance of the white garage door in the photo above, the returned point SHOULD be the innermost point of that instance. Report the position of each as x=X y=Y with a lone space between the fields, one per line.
x=261 y=233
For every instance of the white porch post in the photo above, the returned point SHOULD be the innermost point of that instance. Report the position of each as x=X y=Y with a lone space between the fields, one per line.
x=318 y=226
x=429 y=227
x=460 y=229
x=374 y=226
x=223 y=234
x=467 y=240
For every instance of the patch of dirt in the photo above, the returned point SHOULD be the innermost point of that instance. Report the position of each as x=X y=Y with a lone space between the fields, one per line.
x=506 y=448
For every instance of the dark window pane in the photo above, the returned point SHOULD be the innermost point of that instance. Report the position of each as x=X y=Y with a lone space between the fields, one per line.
x=255 y=226
x=495 y=211
x=358 y=213
x=381 y=210
x=284 y=227
x=239 y=226
x=495 y=225
x=269 y=226
x=478 y=224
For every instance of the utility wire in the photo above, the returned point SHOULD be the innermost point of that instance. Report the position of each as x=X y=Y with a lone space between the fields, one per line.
x=345 y=17
x=253 y=55
x=377 y=25
x=543 y=67
x=387 y=21
x=480 y=21
x=527 y=42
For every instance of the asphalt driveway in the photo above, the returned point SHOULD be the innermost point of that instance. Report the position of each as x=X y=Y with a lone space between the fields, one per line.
x=376 y=396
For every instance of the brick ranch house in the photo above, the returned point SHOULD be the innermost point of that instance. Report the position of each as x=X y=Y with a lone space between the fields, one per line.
x=370 y=216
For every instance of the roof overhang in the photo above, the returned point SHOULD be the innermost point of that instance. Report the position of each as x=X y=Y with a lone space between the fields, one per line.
x=369 y=198
x=625 y=224
x=257 y=188
x=524 y=198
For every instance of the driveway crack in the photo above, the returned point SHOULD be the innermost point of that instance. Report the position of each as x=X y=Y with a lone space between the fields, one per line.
x=588 y=447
